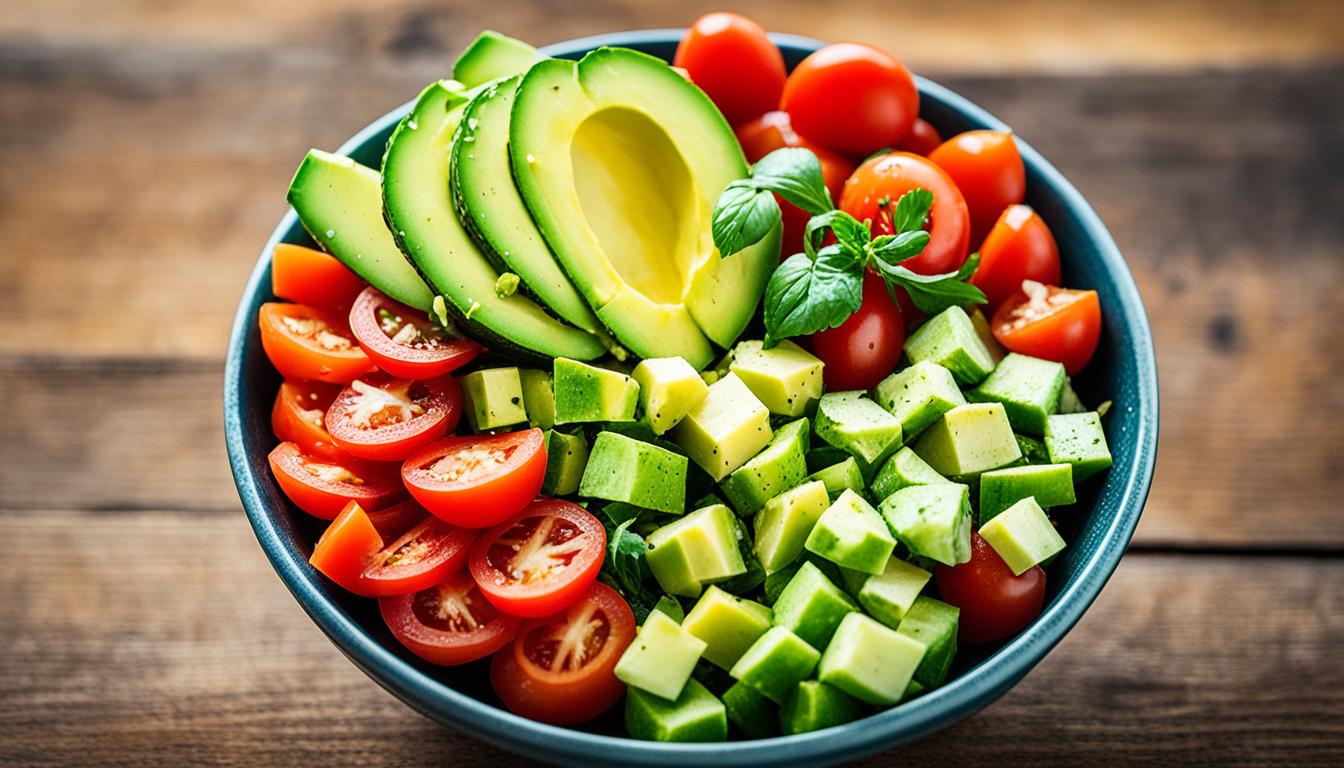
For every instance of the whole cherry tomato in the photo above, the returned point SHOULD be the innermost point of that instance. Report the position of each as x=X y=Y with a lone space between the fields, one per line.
x=923 y=139
x=994 y=603
x=988 y=171
x=874 y=189
x=732 y=60
x=851 y=98
x=864 y=349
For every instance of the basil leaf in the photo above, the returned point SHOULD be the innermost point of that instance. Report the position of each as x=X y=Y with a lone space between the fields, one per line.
x=742 y=216
x=931 y=293
x=808 y=295
x=794 y=174
x=894 y=249
x=911 y=210
x=627 y=558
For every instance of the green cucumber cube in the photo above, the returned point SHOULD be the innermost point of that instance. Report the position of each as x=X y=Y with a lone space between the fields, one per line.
x=1069 y=401
x=1078 y=439
x=1028 y=387
x=776 y=582
x=840 y=477
x=968 y=440
x=814 y=705
x=854 y=424
x=669 y=387
x=918 y=395
x=787 y=378
x=695 y=715
x=698 y=549
x=824 y=455
x=566 y=458
x=780 y=466
x=586 y=393
x=903 y=470
x=538 y=397
x=812 y=606
x=869 y=661
x=728 y=624
x=669 y=607
x=949 y=339
x=727 y=427
x=1023 y=536
x=783 y=525
x=933 y=623
x=1033 y=450
x=775 y=663
x=754 y=715
x=932 y=521
x=851 y=534
x=621 y=468
x=1050 y=484
x=889 y=595
x=661 y=657
x=493 y=398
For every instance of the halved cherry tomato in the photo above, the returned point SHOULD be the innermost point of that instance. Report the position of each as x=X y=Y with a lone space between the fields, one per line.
x=297 y=417
x=988 y=171
x=478 y=480
x=391 y=522
x=420 y=558
x=1019 y=247
x=448 y=623
x=306 y=276
x=306 y=343
x=873 y=190
x=322 y=488
x=734 y=63
x=864 y=349
x=1050 y=323
x=385 y=419
x=404 y=342
x=346 y=547
x=922 y=140
x=994 y=603
x=560 y=670
x=541 y=560
x=851 y=98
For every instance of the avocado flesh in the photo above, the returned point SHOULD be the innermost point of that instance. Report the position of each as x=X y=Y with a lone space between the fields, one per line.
x=492 y=55
x=420 y=213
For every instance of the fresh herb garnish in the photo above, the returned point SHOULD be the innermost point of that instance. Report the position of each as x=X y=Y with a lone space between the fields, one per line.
x=626 y=569
x=747 y=211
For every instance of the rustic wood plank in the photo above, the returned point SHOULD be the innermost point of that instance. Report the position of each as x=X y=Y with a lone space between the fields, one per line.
x=164 y=637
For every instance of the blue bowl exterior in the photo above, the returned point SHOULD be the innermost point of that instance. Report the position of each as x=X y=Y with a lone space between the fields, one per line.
x=1124 y=371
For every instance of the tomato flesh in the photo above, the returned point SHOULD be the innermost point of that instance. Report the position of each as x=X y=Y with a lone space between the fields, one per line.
x=866 y=347
x=403 y=342
x=385 y=419
x=297 y=417
x=879 y=183
x=994 y=603
x=734 y=63
x=1019 y=247
x=851 y=98
x=478 y=481
x=540 y=561
x=418 y=559
x=303 y=342
x=346 y=547
x=322 y=487
x=988 y=170
x=307 y=276
x=448 y=623
x=1050 y=323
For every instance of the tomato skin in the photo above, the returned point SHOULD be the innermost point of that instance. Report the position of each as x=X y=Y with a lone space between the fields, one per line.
x=994 y=603
x=989 y=172
x=418 y=559
x=297 y=355
x=495 y=488
x=391 y=522
x=893 y=174
x=433 y=352
x=1050 y=323
x=733 y=61
x=346 y=546
x=566 y=696
x=325 y=498
x=865 y=348
x=440 y=401
x=1019 y=247
x=307 y=276
x=851 y=98
x=414 y=619
x=922 y=140
x=555 y=591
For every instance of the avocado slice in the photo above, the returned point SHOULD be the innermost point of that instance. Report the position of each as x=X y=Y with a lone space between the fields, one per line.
x=620 y=161
x=492 y=55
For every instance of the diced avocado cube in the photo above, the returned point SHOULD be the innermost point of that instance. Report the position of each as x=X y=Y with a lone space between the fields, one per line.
x=776 y=582
x=566 y=458
x=932 y=521
x=1069 y=401
x=698 y=549
x=775 y=663
x=588 y=393
x=1028 y=388
x=903 y=470
x=669 y=387
x=918 y=395
x=851 y=534
x=753 y=714
x=780 y=466
x=1078 y=439
x=754 y=576
x=968 y=440
x=1023 y=536
x=660 y=658
x=493 y=398
x=812 y=606
x=538 y=397
x=981 y=325
x=787 y=378
x=784 y=523
x=840 y=477
x=725 y=429
x=728 y=624
x=1050 y=484
x=814 y=705
x=624 y=469
x=889 y=595
x=1033 y=450
x=696 y=715
x=668 y=606
x=933 y=623
x=949 y=339
x=869 y=661
x=854 y=424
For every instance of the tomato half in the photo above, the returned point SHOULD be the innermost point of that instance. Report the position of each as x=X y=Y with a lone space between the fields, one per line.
x=922 y=139
x=734 y=63
x=1051 y=323
x=303 y=342
x=404 y=342
x=994 y=603
x=322 y=487
x=851 y=98
x=988 y=171
x=297 y=417
x=541 y=560
x=1019 y=247
x=385 y=419
x=448 y=623
x=307 y=276
x=391 y=522
x=560 y=670
x=478 y=480
x=879 y=183
x=864 y=349
x=346 y=547
x=418 y=559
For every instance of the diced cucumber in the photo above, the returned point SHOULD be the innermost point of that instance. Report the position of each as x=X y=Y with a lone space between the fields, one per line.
x=949 y=339
x=812 y=606
x=968 y=440
x=696 y=715
x=1023 y=536
x=918 y=395
x=753 y=714
x=853 y=423
x=889 y=595
x=538 y=397
x=783 y=525
x=1050 y=484
x=932 y=521
x=1027 y=387
x=869 y=661
x=669 y=606
x=903 y=470
x=566 y=458
x=814 y=705
x=1078 y=439
x=775 y=663
x=933 y=623
x=698 y=549
x=851 y=534
x=661 y=657
x=839 y=477
x=728 y=624
x=780 y=466
x=624 y=469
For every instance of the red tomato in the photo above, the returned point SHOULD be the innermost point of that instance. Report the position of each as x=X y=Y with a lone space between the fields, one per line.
x=732 y=60
x=448 y=623
x=322 y=488
x=307 y=343
x=1050 y=323
x=560 y=670
x=923 y=139
x=297 y=417
x=1019 y=247
x=346 y=547
x=851 y=98
x=420 y=558
x=306 y=276
x=478 y=480
x=385 y=419
x=540 y=561
x=404 y=342
x=885 y=178
x=391 y=522
x=994 y=603
x=988 y=171
x=864 y=349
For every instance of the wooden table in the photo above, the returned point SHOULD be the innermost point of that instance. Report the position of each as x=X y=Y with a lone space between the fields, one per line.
x=144 y=150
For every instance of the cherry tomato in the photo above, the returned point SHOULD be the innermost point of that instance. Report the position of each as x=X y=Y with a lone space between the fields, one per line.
x=851 y=98
x=988 y=171
x=391 y=522
x=418 y=559
x=1050 y=323
x=307 y=343
x=923 y=139
x=541 y=560
x=561 y=670
x=864 y=349
x=448 y=623
x=883 y=179
x=346 y=547
x=306 y=276
x=994 y=603
x=385 y=419
x=733 y=61
x=322 y=488
x=1019 y=247
x=404 y=342
x=478 y=480
x=297 y=415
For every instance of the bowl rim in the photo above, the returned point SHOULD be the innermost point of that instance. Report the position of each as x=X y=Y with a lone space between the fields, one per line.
x=959 y=698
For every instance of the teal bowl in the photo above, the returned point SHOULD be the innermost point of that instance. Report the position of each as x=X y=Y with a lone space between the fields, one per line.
x=1099 y=529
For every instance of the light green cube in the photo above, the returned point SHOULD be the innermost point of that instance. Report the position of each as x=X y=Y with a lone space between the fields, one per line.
x=918 y=395
x=566 y=458
x=968 y=440
x=1028 y=387
x=840 y=477
x=1023 y=536
x=903 y=470
x=725 y=429
x=1050 y=484
x=812 y=606
x=1078 y=439
x=780 y=466
x=851 y=534
x=869 y=661
x=695 y=550
x=587 y=393
x=493 y=398
x=949 y=339
x=932 y=521
x=669 y=387
x=854 y=424
x=728 y=624
x=661 y=657
x=538 y=397
x=695 y=716
x=787 y=378
x=888 y=596
x=624 y=469
x=783 y=525
x=775 y=663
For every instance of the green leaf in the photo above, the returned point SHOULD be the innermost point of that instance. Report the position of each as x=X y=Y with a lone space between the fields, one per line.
x=742 y=216
x=794 y=174
x=911 y=210
x=932 y=293
x=894 y=249
x=849 y=232
x=807 y=295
